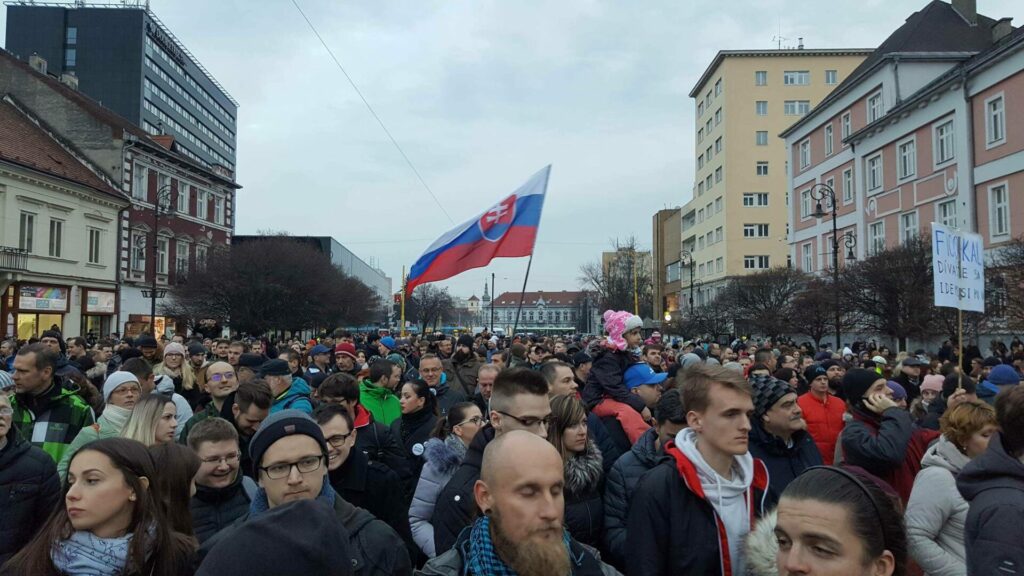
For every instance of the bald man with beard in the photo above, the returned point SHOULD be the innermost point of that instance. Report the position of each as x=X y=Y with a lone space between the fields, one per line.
x=520 y=491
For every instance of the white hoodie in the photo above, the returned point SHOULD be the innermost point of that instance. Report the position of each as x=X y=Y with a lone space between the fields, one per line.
x=727 y=496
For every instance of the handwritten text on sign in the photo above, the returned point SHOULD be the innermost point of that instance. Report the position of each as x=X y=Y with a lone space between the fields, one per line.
x=958 y=264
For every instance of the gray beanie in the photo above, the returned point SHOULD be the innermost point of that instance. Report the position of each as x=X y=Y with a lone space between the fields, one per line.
x=116 y=379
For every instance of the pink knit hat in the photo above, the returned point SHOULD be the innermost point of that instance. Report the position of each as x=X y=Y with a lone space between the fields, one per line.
x=617 y=323
x=932 y=382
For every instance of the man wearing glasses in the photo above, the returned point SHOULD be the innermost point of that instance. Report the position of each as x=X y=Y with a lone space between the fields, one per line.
x=223 y=493
x=221 y=382
x=290 y=455
x=519 y=401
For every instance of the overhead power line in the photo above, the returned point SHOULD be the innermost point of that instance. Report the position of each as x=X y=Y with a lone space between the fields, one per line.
x=372 y=111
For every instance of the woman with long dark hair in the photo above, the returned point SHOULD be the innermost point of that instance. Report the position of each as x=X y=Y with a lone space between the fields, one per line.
x=584 y=472
x=175 y=484
x=111 y=522
x=443 y=453
x=419 y=416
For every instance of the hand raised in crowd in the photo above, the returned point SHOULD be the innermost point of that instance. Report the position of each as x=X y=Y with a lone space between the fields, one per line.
x=879 y=403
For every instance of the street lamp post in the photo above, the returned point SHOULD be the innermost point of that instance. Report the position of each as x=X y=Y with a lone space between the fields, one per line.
x=687 y=255
x=162 y=207
x=820 y=192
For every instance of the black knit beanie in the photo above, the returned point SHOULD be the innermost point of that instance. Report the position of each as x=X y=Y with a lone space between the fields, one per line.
x=857 y=381
x=767 y=391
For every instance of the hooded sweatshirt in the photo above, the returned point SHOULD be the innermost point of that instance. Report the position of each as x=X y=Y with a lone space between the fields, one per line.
x=380 y=401
x=726 y=495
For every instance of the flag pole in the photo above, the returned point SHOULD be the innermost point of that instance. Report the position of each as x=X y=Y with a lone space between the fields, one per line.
x=402 y=321
x=959 y=312
x=522 y=296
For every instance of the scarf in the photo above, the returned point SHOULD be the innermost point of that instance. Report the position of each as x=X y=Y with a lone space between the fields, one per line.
x=85 y=554
x=583 y=471
x=115 y=416
x=482 y=558
x=260 y=504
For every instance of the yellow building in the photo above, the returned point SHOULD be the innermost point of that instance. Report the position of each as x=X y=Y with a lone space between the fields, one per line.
x=736 y=221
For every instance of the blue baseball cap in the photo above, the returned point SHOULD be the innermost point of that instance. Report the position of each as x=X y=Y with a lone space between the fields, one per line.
x=388 y=342
x=643 y=375
x=319 y=349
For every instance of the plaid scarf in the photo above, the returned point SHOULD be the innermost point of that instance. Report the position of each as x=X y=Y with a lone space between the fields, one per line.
x=482 y=558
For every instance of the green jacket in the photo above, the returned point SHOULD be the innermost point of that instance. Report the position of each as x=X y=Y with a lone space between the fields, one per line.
x=103 y=428
x=53 y=419
x=210 y=411
x=380 y=402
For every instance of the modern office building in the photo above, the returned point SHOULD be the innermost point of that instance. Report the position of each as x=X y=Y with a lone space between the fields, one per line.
x=925 y=130
x=735 y=223
x=124 y=58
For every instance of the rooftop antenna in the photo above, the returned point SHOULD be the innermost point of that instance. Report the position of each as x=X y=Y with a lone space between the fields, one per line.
x=778 y=38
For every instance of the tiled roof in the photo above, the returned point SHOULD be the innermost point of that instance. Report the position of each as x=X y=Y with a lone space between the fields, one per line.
x=562 y=298
x=25 y=143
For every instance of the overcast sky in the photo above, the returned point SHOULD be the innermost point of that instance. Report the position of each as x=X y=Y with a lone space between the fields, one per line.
x=481 y=95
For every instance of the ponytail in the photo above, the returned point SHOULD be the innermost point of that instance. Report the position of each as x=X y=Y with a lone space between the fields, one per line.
x=456 y=414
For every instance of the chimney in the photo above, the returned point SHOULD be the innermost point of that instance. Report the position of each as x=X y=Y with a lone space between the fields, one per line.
x=69 y=79
x=968 y=10
x=800 y=43
x=1001 y=29
x=37 y=62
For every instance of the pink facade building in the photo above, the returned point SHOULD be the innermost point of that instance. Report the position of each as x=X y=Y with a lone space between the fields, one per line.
x=923 y=131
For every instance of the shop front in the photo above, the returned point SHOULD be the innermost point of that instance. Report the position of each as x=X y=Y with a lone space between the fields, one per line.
x=29 y=309
x=99 y=308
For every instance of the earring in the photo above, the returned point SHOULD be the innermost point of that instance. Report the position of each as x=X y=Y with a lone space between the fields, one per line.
x=132 y=498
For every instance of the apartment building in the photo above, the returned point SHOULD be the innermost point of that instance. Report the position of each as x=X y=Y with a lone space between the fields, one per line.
x=665 y=255
x=735 y=223
x=925 y=130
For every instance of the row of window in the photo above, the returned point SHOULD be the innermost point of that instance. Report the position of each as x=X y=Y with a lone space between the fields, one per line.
x=185 y=191
x=55 y=244
x=711 y=238
x=151 y=89
x=711 y=267
x=756 y=262
x=707 y=154
x=153 y=48
x=152 y=65
x=706 y=102
x=188 y=135
x=540 y=315
x=181 y=254
x=708 y=209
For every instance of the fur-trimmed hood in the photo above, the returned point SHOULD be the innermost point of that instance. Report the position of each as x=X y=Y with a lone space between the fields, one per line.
x=762 y=547
x=445 y=455
x=583 y=471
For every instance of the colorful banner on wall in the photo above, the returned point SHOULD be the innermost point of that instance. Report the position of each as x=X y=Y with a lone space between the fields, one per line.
x=44 y=298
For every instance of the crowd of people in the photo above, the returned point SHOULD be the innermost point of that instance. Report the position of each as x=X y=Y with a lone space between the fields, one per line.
x=360 y=454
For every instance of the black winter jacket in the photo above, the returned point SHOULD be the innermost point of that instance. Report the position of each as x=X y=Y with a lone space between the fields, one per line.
x=29 y=490
x=610 y=451
x=382 y=444
x=606 y=379
x=669 y=507
x=412 y=432
x=214 y=509
x=620 y=487
x=455 y=507
x=584 y=507
x=784 y=463
x=993 y=485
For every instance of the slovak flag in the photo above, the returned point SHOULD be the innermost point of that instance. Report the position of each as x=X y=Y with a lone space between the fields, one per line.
x=506 y=230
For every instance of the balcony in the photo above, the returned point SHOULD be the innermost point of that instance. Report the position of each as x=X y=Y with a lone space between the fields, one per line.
x=13 y=259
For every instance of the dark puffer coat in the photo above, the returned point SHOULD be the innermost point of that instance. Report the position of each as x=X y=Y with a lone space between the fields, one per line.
x=29 y=490
x=784 y=462
x=621 y=483
x=584 y=509
x=214 y=509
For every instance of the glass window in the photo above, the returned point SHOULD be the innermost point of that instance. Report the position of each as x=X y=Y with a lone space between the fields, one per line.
x=908 y=225
x=201 y=257
x=755 y=230
x=944 y=145
x=876 y=237
x=161 y=255
x=95 y=245
x=718 y=205
x=829 y=140
x=182 y=207
x=761 y=107
x=140 y=182
x=762 y=168
x=805 y=204
x=181 y=258
x=908 y=159
x=218 y=210
x=999 y=211
x=875 y=107
x=808 y=254
x=26 y=231
x=805 y=154
x=718 y=87
x=700 y=136
x=71 y=36
x=700 y=188
x=762 y=138
x=947 y=213
x=718 y=145
x=70 y=57
x=719 y=264
x=56 y=238
x=700 y=108
x=831 y=77
x=796 y=78
x=847 y=185
x=796 y=107
x=755 y=199
x=202 y=203
x=700 y=215
x=755 y=262
x=718 y=175
x=718 y=117
x=700 y=161
x=845 y=128
x=719 y=232
x=761 y=78
x=995 y=125
x=138 y=251
x=875 y=172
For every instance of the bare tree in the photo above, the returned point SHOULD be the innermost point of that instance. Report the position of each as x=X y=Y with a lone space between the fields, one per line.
x=814 y=310
x=765 y=299
x=429 y=304
x=271 y=283
x=615 y=280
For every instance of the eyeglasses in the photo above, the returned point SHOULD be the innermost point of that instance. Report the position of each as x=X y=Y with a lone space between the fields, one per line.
x=224 y=376
x=284 y=469
x=6 y=411
x=227 y=459
x=475 y=420
x=338 y=440
x=529 y=421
